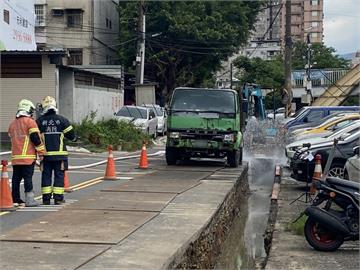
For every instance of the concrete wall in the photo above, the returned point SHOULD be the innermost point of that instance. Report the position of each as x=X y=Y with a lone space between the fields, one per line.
x=66 y=82
x=12 y=90
x=88 y=99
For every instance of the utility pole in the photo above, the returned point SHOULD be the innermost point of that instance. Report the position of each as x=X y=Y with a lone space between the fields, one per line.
x=308 y=85
x=288 y=49
x=231 y=75
x=140 y=56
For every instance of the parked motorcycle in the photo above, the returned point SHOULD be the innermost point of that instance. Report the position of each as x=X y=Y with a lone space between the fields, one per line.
x=333 y=216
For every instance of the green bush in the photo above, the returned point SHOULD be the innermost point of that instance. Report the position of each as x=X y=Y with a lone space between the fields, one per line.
x=122 y=135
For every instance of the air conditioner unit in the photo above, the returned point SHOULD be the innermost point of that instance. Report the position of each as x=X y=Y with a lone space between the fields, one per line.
x=57 y=12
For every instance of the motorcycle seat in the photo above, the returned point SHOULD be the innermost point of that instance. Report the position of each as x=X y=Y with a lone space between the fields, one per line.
x=343 y=183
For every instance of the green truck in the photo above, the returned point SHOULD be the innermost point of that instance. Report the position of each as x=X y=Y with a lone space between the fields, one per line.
x=204 y=122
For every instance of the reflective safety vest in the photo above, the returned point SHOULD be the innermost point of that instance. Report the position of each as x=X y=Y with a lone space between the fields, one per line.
x=54 y=128
x=23 y=151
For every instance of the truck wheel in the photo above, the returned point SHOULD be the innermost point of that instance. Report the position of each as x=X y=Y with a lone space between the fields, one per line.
x=233 y=158
x=171 y=156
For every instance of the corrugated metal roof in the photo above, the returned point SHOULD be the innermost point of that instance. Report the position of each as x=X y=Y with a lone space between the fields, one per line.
x=46 y=51
x=114 y=71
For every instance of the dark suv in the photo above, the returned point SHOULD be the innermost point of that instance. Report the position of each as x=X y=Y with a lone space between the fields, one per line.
x=344 y=150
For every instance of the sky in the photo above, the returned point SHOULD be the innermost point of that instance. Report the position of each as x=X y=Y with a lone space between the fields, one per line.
x=342 y=25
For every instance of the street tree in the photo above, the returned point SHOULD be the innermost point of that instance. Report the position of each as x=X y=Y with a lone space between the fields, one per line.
x=323 y=56
x=185 y=40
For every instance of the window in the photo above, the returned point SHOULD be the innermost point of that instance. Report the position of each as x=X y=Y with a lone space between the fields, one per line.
x=314 y=116
x=40 y=15
x=6 y=16
x=151 y=114
x=108 y=23
x=75 y=57
x=314 y=24
x=313 y=35
x=74 y=18
x=24 y=66
x=314 y=13
x=314 y=2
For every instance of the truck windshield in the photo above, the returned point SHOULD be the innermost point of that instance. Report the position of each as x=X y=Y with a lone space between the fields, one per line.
x=201 y=100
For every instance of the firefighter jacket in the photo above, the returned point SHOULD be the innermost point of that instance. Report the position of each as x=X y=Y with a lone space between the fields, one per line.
x=54 y=128
x=25 y=141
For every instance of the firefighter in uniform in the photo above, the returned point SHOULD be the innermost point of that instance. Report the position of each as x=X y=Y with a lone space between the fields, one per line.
x=54 y=128
x=25 y=143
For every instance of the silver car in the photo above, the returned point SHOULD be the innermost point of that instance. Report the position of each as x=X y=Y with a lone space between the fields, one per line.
x=161 y=116
x=352 y=166
x=143 y=118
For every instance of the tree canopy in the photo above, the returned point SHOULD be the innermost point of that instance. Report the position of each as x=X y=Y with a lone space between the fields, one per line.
x=185 y=40
x=323 y=56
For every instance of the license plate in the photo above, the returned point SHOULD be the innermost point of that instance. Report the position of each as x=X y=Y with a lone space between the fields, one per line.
x=200 y=143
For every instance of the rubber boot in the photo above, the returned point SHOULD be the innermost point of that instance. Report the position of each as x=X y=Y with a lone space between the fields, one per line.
x=29 y=199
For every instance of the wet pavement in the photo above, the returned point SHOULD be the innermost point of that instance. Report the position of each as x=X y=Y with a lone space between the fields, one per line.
x=290 y=251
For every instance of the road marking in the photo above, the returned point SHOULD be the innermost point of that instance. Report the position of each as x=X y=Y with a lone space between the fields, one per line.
x=4 y=213
x=88 y=185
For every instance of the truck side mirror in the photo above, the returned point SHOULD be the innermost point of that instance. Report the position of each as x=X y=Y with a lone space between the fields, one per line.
x=244 y=105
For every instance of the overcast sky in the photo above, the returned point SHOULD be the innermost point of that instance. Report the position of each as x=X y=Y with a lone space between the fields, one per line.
x=342 y=25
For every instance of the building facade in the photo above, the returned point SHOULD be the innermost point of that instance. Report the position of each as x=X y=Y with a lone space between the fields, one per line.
x=306 y=19
x=87 y=29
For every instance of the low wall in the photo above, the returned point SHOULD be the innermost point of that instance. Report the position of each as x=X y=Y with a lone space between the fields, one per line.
x=204 y=249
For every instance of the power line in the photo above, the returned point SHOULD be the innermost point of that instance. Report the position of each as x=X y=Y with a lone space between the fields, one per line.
x=268 y=29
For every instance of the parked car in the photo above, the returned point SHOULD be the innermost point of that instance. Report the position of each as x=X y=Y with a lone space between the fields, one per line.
x=344 y=150
x=326 y=129
x=316 y=123
x=161 y=116
x=316 y=113
x=352 y=166
x=330 y=125
x=279 y=114
x=291 y=148
x=143 y=118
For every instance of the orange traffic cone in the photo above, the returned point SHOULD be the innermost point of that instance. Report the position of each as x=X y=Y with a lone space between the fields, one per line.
x=143 y=164
x=317 y=174
x=110 y=173
x=67 y=183
x=6 y=201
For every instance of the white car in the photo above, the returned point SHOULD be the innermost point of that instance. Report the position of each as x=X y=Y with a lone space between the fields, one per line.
x=279 y=114
x=161 y=116
x=143 y=118
x=352 y=166
x=291 y=148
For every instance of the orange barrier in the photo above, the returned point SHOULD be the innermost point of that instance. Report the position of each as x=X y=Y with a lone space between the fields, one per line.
x=67 y=183
x=6 y=201
x=317 y=174
x=143 y=164
x=110 y=172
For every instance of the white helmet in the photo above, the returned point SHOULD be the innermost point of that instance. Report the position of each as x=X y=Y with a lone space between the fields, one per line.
x=25 y=108
x=48 y=103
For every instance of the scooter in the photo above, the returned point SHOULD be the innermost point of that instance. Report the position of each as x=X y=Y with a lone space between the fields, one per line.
x=333 y=216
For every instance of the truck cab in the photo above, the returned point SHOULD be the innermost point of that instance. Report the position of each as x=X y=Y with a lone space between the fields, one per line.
x=204 y=122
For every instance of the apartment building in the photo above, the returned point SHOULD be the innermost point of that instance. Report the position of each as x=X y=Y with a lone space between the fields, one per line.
x=306 y=19
x=87 y=29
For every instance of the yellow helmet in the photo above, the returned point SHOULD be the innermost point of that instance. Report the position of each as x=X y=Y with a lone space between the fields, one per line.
x=26 y=107
x=48 y=103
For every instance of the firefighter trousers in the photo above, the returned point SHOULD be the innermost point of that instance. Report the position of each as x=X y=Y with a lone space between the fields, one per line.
x=21 y=172
x=57 y=189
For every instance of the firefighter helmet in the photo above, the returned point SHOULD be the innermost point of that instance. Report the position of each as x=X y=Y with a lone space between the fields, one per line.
x=48 y=103
x=26 y=107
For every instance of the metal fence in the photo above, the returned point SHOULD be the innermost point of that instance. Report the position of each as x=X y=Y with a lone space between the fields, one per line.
x=319 y=77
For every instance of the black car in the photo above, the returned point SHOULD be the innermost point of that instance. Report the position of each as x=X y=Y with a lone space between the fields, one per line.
x=302 y=169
